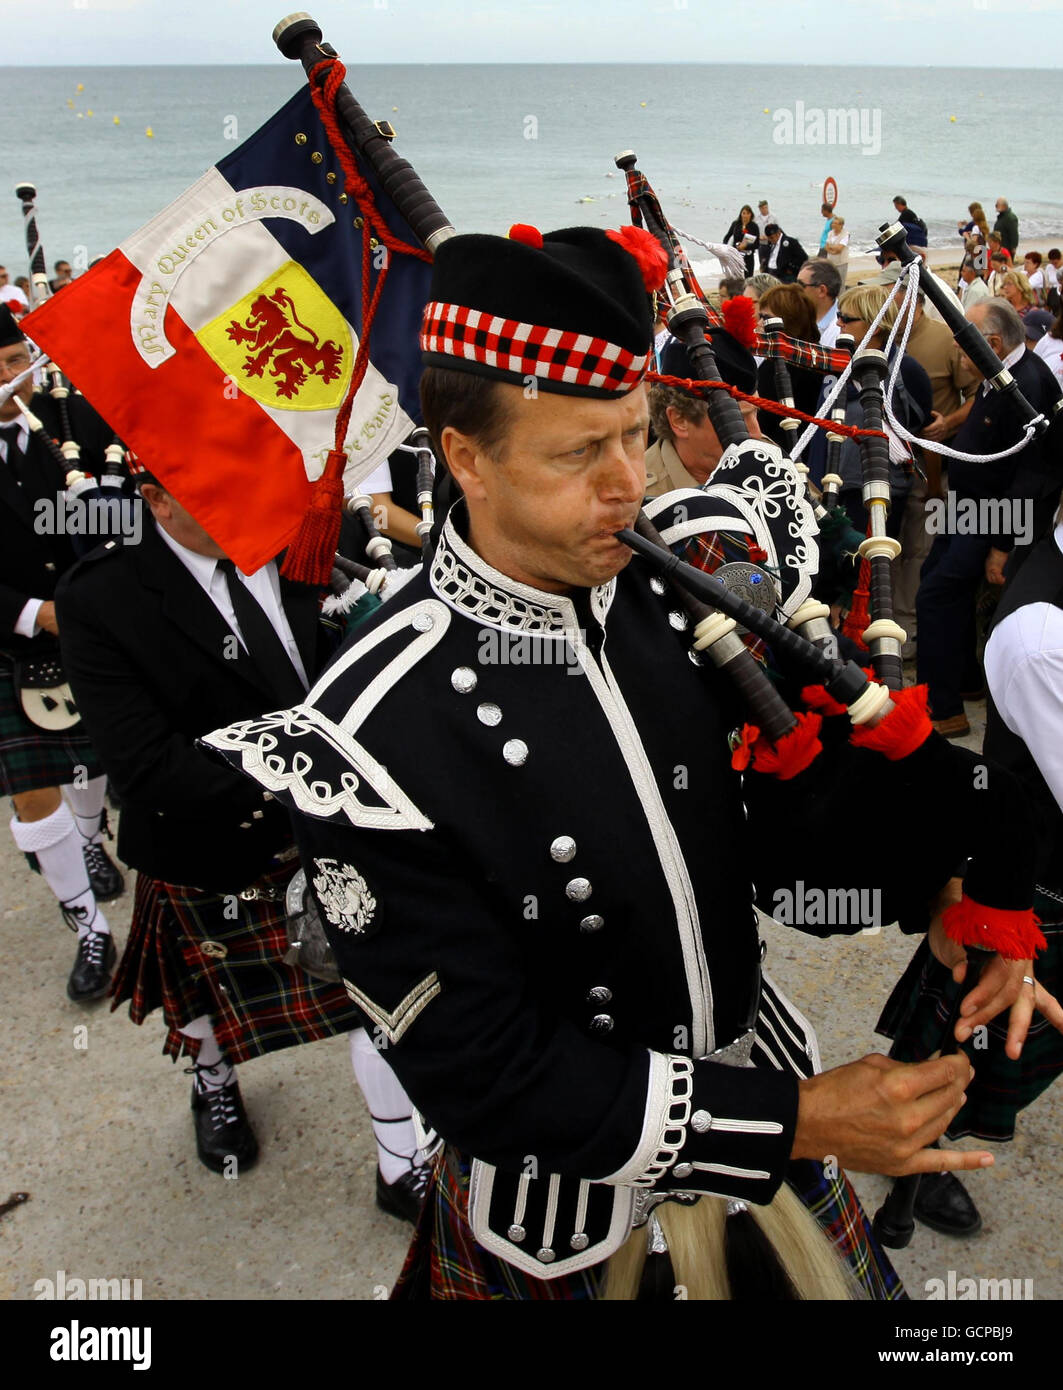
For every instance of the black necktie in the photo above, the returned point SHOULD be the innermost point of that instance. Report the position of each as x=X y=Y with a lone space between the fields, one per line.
x=265 y=648
x=10 y=435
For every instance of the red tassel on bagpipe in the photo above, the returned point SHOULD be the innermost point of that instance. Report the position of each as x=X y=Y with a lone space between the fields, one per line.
x=858 y=618
x=906 y=727
x=793 y=752
x=1014 y=934
x=817 y=698
x=740 y=317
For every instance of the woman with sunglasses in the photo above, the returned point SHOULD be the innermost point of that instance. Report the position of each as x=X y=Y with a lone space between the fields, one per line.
x=912 y=403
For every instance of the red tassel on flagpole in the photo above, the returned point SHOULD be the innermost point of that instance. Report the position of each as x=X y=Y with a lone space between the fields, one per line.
x=309 y=557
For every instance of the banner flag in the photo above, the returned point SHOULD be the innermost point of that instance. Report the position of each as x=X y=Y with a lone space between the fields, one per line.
x=218 y=340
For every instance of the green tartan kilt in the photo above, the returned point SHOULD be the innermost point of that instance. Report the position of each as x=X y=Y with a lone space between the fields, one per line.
x=31 y=758
x=918 y=1010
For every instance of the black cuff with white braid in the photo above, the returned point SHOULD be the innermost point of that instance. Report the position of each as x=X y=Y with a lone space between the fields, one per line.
x=714 y=1128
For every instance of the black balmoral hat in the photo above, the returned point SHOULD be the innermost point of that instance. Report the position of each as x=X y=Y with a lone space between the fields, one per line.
x=10 y=333
x=569 y=309
x=736 y=363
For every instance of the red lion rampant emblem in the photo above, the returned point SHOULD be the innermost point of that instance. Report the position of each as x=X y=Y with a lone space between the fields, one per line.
x=281 y=341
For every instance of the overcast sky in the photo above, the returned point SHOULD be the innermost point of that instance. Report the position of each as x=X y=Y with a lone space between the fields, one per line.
x=976 y=33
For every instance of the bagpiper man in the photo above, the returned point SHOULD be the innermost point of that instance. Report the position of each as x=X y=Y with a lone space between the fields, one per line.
x=1024 y=732
x=161 y=638
x=536 y=873
x=61 y=837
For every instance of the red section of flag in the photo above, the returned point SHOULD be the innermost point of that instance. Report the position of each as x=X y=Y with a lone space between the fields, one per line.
x=87 y=331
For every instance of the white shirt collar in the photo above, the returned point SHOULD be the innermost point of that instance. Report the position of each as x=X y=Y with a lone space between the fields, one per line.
x=831 y=316
x=202 y=567
x=23 y=429
x=1008 y=362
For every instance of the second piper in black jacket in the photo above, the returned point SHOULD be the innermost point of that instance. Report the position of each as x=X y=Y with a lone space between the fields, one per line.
x=157 y=655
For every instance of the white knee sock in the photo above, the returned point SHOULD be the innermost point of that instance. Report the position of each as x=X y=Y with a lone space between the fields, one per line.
x=87 y=805
x=389 y=1107
x=215 y=1071
x=56 y=843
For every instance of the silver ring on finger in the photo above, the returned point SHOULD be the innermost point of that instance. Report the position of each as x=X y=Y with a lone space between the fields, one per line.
x=1029 y=980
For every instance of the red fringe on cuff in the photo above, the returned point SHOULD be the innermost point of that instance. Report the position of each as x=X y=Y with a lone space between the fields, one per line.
x=906 y=727
x=792 y=754
x=1013 y=933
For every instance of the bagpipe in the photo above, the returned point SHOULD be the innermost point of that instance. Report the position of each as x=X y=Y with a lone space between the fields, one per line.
x=995 y=912
x=891 y=744
x=105 y=501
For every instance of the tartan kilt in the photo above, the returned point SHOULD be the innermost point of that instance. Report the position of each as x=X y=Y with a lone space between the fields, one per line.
x=445 y=1262
x=187 y=957
x=31 y=758
x=915 y=1017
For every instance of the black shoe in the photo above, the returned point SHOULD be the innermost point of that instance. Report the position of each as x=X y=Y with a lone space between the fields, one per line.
x=945 y=1205
x=405 y=1197
x=91 y=974
x=223 y=1131
x=106 y=881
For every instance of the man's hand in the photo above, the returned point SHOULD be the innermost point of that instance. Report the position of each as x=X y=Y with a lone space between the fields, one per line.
x=994 y=566
x=879 y=1116
x=1001 y=986
x=46 y=619
x=936 y=429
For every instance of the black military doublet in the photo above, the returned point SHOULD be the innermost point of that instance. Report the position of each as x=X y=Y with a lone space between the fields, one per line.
x=520 y=822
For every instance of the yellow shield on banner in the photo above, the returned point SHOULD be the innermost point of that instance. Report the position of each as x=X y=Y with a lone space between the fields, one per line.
x=285 y=344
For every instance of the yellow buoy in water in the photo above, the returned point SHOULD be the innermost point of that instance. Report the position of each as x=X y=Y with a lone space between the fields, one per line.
x=642 y=103
x=80 y=87
x=89 y=112
x=117 y=121
x=767 y=110
x=953 y=119
x=394 y=108
x=149 y=133
x=70 y=102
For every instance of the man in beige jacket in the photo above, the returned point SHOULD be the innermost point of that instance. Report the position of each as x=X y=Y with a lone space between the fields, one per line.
x=687 y=447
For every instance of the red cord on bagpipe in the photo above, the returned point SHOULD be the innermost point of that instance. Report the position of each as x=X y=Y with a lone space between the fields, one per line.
x=695 y=387
x=309 y=557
